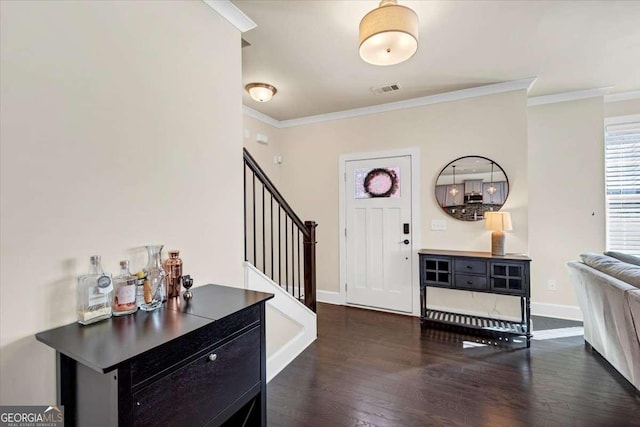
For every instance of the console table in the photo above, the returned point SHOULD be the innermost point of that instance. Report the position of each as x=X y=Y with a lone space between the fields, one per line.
x=187 y=363
x=478 y=272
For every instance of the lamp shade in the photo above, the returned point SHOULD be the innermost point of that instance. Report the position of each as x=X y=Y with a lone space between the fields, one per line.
x=388 y=34
x=498 y=221
x=261 y=92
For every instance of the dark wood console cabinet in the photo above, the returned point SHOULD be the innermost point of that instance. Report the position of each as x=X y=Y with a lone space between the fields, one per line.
x=478 y=272
x=186 y=364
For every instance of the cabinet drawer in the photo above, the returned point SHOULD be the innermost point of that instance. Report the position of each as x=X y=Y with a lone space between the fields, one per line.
x=196 y=393
x=469 y=267
x=466 y=281
x=175 y=352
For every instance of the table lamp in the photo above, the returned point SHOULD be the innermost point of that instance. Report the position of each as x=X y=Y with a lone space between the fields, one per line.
x=499 y=222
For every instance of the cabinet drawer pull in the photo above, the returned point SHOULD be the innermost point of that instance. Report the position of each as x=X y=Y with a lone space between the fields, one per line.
x=469 y=282
x=213 y=357
x=469 y=267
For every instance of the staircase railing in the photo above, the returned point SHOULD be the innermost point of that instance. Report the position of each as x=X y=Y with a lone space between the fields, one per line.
x=272 y=233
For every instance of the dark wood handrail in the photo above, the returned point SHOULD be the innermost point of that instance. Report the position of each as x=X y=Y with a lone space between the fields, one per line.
x=310 y=266
x=283 y=244
x=264 y=179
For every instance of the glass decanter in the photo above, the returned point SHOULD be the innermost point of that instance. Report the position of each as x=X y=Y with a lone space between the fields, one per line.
x=154 y=285
x=94 y=294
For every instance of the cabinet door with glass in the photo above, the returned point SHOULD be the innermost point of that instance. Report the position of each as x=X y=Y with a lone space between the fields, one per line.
x=508 y=277
x=435 y=271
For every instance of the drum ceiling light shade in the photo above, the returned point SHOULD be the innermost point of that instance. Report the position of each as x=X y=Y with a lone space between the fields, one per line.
x=388 y=34
x=261 y=92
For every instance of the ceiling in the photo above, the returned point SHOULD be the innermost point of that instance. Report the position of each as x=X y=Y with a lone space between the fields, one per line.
x=309 y=50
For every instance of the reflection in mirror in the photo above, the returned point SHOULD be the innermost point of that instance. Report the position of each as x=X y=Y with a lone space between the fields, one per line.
x=470 y=186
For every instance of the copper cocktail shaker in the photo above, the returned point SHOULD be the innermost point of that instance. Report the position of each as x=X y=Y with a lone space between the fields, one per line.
x=173 y=274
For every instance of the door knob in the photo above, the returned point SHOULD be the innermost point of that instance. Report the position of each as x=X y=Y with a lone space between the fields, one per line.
x=405 y=241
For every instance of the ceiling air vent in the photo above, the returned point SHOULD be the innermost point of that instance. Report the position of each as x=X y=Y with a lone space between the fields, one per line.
x=385 y=89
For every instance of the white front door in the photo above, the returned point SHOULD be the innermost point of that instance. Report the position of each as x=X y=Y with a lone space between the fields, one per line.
x=378 y=233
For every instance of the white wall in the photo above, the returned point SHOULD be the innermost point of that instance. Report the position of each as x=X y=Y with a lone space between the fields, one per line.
x=263 y=153
x=623 y=108
x=492 y=126
x=121 y=126
x=566 y=192
x=564 y=185
x=563 y=156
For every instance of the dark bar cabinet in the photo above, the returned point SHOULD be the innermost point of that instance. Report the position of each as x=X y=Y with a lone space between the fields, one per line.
x=194 y=363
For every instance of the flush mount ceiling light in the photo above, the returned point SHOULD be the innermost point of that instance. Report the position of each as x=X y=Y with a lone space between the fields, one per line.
x=261 y=92
x=388 y=34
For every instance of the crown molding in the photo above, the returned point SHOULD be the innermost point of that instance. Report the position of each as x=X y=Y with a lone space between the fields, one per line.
x=568 y=96
x=524 y=84
x=231 y=13
x=261 y=117
x=622 y=96
x=415 y=102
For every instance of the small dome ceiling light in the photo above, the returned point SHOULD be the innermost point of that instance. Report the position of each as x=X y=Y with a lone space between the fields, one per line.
x=388 y=34
x=261 y=92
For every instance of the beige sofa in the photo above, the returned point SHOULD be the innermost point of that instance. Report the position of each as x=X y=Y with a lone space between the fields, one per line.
x=608 y=292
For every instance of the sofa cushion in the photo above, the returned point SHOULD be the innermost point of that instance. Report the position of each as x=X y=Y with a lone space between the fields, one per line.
x=628 y=273
x=628 y=258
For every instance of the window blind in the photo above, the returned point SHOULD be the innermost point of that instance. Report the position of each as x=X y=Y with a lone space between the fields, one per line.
x=622 y=180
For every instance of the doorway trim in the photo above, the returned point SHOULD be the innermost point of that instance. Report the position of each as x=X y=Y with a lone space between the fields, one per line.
x=414 y=154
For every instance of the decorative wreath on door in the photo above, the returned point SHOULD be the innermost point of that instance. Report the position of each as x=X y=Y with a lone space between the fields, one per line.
x=381 y=182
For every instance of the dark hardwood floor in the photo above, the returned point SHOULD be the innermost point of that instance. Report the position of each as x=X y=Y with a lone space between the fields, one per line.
x=376 y=369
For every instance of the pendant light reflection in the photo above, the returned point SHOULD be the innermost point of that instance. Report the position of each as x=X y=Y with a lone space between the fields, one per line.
x=454 y=189
x=261 y=92
x=492 y=188
x=388 y=34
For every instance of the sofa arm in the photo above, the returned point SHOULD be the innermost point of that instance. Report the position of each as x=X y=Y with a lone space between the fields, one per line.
x=633 y=298
x=608 y=317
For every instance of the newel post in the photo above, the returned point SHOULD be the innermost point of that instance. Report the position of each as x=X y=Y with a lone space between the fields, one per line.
x=310 y=265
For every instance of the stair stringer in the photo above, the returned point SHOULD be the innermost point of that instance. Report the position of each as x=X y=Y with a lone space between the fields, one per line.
x=290 y=308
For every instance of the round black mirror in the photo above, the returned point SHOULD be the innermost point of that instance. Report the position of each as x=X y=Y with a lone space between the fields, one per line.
x=470 y=186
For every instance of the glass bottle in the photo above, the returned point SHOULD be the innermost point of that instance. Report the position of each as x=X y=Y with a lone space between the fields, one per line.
x=94 y=294
x=154 y=287
x=140 y=276
x=124 y=295
x=173 y=272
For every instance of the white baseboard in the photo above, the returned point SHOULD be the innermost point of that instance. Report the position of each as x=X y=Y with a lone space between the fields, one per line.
x=329 y=297
x=558 y=311
x=567 y=312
